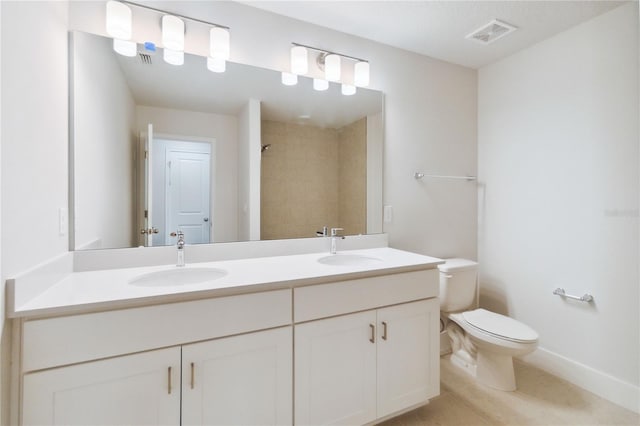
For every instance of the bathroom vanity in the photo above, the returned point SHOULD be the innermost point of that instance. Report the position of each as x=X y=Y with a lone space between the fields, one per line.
x=298 y=339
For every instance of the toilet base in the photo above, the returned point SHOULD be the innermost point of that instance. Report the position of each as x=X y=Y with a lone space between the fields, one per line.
x=496 y=371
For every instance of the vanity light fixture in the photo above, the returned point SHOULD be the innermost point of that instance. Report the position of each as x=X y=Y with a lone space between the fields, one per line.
x=299 y=60
x=173 y=33
x=320 y=84
x=332 y=67
x=331 y=63
x=289 y=79
x=118 y=20
x=361 y=74
x=119 y=26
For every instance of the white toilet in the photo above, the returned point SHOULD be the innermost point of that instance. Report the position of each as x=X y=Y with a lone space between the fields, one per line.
x=482 y=342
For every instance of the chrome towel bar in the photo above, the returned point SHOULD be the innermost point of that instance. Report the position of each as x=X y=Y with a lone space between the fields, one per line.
x=584 y=298
x=420 y=175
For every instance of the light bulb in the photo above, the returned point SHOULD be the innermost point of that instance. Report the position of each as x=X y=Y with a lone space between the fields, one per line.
x=320 y=84
x=219 y=47
x=299 y=60
x=118 y=20
x=332 y=67
x=173 y=57
x=172 y=33
x=348 y=89
x=216 y=64
x=361 y=74
x=289 y=79
x=125 y=47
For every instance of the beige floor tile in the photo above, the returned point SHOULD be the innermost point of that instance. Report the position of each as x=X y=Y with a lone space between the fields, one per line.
x=540 y=400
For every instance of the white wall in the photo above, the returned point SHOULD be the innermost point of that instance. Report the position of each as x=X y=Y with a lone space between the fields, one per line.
x=34 y=142
x=249 y=171
x=558 y=163
x=224 y=173
x=104 y=143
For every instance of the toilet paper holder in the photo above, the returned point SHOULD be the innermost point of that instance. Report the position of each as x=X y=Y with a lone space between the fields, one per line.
x=584 y=298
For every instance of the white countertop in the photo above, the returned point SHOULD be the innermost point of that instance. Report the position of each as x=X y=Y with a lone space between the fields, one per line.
x=79 y=292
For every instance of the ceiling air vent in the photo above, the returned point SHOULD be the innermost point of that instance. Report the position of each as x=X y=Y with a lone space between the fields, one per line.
x=489 y=33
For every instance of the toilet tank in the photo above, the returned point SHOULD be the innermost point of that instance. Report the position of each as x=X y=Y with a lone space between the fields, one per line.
x=458 y=284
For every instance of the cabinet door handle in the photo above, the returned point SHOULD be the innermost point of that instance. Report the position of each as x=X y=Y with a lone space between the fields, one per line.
x=193 y=380
x=384 y=330
x=169 y=380
x=372 y=339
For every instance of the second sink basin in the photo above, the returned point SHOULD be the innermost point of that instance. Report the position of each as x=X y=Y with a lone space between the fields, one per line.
x=178 y=276
x=349 y=260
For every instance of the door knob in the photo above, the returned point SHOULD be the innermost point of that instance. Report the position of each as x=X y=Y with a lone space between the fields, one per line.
x=149 y=231
x=206 y=219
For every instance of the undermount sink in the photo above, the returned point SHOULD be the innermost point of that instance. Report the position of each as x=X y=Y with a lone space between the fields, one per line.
x=178 y=276
x=349 y=260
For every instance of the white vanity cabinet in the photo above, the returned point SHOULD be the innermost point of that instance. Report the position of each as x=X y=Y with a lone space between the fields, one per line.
x=362 y=367
x=104 y=368
x=240 y=380
x=127 y=390
x=235 y=380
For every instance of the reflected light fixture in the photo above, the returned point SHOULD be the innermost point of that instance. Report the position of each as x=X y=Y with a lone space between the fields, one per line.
x=348 y=89
x=320 y=84
x=216 y=64
x=289 y=79
x=118 y=20
x=172 y=33
x=125 y=47
x=299 y=60
x=361 y=74
x=332 y=67
x=173 y=57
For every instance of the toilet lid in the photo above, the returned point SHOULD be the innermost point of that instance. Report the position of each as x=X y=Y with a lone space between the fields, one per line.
x=500 y=325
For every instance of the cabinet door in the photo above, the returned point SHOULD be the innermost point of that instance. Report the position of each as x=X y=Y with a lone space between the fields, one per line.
x=408 y=355
x=243 y=379
x=335 y=370
x=141 y=389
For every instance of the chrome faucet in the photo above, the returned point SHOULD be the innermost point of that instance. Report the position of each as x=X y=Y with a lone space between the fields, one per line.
x=180 y=245
x=334 y=238
x=323 y=233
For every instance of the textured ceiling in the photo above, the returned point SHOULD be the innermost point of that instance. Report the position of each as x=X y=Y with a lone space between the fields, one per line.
x=438 y=28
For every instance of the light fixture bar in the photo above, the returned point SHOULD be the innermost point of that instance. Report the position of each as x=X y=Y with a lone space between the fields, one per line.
x=328 y=52
x=213 y=24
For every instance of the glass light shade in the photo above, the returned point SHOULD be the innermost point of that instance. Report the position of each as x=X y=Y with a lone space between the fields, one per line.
x=125 y=47
x=289 y=79
x=118 y=20
x=219 y=46
x=172 y=33
x=361 y=74
x=299 y=60
x=216 y=64
x=173 y=57
x=320 y=84
x=332 y=67
x=348 y=89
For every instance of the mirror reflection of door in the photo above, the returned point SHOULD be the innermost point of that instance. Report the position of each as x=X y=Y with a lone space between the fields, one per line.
x=177 y=189
x=187 y=193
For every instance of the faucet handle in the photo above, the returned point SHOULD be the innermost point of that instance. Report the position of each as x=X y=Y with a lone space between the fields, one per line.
x=334 y=231
x=179 y=234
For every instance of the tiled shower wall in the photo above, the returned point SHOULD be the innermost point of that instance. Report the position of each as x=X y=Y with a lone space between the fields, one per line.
x=312 y=177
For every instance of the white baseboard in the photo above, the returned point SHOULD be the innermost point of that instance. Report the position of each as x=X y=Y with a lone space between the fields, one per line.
x=605 y=386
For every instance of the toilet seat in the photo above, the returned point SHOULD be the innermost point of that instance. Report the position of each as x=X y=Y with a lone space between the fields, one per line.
x=500 y=326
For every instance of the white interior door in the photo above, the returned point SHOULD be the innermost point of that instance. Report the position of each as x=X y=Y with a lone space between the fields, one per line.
x=187 y=195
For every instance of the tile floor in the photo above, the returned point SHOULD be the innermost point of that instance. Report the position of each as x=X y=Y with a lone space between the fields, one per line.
x=541 y=399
